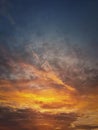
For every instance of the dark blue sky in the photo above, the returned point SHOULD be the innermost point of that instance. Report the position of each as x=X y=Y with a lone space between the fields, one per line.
x=77 y=18
x=70 y=21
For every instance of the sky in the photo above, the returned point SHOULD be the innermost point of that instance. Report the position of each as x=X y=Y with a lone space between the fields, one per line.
x=48 y=64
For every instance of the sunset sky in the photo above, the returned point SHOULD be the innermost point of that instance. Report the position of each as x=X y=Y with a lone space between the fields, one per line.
x=48 y=64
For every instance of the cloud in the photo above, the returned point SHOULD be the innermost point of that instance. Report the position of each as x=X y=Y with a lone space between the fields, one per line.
x=24 y=119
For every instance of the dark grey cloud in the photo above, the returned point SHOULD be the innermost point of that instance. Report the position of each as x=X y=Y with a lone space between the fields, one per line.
x=24 y=119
